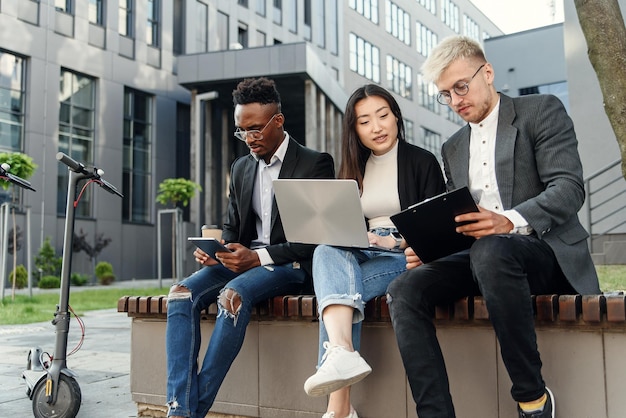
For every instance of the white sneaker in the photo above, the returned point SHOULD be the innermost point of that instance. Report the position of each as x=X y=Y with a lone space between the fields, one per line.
x=339 y=368
x=332 y=414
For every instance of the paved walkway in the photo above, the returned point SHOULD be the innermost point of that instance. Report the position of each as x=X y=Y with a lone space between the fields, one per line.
x=102 y=363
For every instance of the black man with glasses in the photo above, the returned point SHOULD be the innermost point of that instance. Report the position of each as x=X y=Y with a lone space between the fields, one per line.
x=519 y=158
x=261 y=263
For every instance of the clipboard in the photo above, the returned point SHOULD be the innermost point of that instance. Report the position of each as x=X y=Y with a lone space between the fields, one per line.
x=429 y=228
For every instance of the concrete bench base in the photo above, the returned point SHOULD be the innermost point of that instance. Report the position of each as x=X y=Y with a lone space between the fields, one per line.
x=581 y=339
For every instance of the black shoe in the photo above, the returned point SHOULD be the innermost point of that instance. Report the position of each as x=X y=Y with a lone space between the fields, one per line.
x=548 y=409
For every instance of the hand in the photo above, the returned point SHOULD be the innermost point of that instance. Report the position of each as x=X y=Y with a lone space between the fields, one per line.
x=386 y=241
x=484 y=222
x=203 y=258
x=240 y=258
x=412 y=260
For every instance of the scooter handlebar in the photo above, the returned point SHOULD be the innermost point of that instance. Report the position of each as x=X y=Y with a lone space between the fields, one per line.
x=80 y=168
x=109 y=187
x=70 y=162
x=12 y=178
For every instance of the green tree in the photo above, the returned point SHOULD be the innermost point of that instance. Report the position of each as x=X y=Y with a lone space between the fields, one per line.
x=23 y=166
x=603 y=27
x=47 y=261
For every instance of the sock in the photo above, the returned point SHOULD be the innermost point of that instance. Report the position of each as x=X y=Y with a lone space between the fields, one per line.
x=534 y=405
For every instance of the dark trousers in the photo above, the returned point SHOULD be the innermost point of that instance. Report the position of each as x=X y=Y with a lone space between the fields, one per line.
x=506 y=270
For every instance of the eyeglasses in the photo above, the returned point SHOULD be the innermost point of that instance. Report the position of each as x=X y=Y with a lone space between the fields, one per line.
x=255 y=134
x=460 y=89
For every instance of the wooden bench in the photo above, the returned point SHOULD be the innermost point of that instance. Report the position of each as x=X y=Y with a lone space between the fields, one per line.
x=582 y=340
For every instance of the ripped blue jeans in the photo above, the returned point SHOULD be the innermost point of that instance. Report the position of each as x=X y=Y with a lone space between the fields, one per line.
x=351 y=277
x=190 y=393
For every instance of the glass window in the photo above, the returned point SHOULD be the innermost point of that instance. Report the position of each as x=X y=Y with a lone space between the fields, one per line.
x=260 y=7
x=292 y=16
x=96 y=12
x=450 y=14
x=261 y=38
x=409 y=132
x=278 y=12
x=471 y=28
x=202 y=27
x=63 y=6
x=366 y=8
x=242 y=35
x=320 y=24
x=426 y=39
x=178 y=27
x=222 y=31
x=125 y=24
x=76 y=132
x=428 y=95
x=398 y=23
x=364 y=58
x=399 y=77
x=153 y=23
x=558 y=89
x=12 y=96
x=333 y=27
x=243 y=3
x=137 y=166
x=430 y=5
x=432 y=142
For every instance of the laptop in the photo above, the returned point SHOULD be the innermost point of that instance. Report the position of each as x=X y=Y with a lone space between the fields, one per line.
x=323 y=211
x=429 y=228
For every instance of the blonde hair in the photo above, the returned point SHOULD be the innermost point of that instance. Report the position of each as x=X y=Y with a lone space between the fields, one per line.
x=446 y=52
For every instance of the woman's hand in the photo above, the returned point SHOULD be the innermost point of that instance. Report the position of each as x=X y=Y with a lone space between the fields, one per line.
x=412 y=260
x=386 y=241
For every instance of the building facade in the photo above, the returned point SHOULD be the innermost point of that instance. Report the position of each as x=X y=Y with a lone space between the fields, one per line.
x=141 y=88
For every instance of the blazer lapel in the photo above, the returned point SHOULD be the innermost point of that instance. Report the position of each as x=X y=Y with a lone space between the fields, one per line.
x=459 y=158
x=505 y=150
x=249 y=178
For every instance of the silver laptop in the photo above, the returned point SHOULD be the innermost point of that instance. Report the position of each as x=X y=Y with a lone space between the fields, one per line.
x=322 y=211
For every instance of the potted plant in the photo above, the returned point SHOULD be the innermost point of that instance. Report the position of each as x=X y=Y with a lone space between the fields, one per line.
x=174 y=192
x=21 y=165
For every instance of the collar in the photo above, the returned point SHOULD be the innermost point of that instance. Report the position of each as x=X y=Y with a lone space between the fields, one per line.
x=279 y=155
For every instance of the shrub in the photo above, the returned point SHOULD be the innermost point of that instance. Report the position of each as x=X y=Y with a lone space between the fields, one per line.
x=50 y=282
x=47 y=260
x=78 y=279
x=104 y=273
x=21 y=277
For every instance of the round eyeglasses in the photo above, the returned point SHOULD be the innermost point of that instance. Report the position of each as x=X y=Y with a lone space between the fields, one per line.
x=254 y=134
x=460 y=89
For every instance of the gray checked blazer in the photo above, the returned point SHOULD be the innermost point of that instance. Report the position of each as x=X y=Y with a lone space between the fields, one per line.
x=539 y=174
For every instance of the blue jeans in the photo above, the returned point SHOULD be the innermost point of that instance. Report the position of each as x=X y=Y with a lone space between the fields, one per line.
x=506 y=270
x=190 y=393
x=351 y=277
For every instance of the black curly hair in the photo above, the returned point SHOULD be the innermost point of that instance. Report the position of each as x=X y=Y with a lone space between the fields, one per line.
x=256 y=90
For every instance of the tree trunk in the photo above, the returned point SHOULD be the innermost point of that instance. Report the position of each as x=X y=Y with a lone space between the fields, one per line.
x=603 y=26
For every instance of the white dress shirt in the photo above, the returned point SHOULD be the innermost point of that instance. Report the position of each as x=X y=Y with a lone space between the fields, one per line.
x=482 y=171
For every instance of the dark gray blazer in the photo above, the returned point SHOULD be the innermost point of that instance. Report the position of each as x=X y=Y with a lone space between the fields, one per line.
x=539 y=174
x=240 y=225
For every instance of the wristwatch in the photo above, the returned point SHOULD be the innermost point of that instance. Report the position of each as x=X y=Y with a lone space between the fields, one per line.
x=398 y=238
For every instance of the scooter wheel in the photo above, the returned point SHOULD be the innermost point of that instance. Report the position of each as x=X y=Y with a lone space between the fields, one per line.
x=68 y=399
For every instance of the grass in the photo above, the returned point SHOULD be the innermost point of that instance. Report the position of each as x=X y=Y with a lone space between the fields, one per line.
x=41 y=307
x=612 y=278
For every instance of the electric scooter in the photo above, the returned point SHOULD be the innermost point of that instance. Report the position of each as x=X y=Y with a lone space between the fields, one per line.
x=52 y=386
